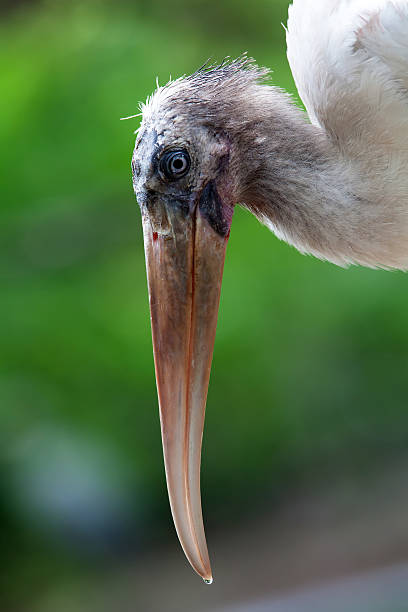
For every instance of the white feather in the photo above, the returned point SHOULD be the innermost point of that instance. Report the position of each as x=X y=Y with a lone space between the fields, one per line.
x=349 y=59
x=351 y=55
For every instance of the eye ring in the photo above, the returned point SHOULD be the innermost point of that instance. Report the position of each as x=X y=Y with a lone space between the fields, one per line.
x=175 y=164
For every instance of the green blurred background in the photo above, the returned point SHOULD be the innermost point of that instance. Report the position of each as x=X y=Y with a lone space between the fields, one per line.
x=309 y=379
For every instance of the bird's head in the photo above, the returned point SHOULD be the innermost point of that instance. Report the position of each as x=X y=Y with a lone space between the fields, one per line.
x=177 y=162
x=188 y=175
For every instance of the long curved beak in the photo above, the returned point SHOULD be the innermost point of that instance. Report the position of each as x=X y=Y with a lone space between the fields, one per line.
x=184 y=269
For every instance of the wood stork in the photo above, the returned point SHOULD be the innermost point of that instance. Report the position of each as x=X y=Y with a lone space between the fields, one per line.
x=335 y=187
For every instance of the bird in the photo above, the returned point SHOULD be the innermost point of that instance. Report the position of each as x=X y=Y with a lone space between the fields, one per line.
x=332 y=182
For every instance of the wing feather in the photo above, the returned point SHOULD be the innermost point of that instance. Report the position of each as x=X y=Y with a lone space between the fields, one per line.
x=349 y=59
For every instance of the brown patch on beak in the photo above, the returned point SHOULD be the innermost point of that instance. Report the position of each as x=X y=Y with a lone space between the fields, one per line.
x=184 y=269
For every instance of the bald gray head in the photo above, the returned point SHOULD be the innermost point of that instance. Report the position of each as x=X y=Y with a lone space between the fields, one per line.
x=237 y=136
x=214 y=119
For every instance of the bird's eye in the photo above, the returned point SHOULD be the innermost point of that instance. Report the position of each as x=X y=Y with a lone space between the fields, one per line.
x=175 y=164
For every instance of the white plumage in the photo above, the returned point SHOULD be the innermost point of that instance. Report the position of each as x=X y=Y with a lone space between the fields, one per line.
x=349 y=59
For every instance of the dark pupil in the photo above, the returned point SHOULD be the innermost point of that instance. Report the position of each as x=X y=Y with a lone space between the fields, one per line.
x=175 y=164
x=178 y=164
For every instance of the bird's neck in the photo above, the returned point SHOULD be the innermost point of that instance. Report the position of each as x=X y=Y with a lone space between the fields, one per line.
x=300 y=186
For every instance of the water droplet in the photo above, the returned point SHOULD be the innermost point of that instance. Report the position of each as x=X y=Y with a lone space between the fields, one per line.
x=209 y=581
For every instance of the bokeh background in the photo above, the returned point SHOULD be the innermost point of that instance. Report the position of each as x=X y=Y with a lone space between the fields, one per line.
x=304 y=472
